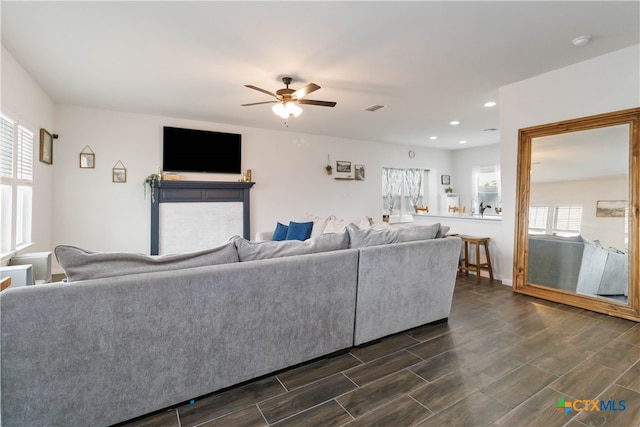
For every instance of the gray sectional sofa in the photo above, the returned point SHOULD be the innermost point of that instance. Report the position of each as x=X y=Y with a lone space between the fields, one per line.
x=153 y=332
x=576 y=264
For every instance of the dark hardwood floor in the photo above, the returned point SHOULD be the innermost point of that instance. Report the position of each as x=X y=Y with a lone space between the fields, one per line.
x=503 y=359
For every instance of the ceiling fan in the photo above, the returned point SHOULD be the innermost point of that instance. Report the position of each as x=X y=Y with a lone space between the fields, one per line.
x=286 y=99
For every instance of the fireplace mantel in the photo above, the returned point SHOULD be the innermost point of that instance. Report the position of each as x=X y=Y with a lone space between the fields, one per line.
x=189 y=192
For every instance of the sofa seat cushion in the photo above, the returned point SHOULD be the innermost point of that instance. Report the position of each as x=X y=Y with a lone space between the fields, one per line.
x=371 y=237
x=82 y=264
x=251 y=251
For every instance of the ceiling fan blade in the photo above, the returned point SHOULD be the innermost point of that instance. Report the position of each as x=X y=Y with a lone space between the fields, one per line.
x=302 y=92
x=320 y=103
x=262 y=90
x=258 y=103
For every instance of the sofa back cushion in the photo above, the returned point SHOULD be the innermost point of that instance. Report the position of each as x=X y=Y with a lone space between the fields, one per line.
x=251 y=251
x=363 y=238
x=82 y=264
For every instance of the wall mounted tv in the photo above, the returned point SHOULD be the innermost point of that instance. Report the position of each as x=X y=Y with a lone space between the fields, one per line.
x=190 y=150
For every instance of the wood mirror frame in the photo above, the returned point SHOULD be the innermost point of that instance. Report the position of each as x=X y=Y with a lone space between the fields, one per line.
x=631 y=310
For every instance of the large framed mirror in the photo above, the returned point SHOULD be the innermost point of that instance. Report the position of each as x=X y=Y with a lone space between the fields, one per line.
x=577 y=237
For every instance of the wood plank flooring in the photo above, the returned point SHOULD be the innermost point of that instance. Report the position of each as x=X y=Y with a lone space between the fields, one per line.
x=503 y=359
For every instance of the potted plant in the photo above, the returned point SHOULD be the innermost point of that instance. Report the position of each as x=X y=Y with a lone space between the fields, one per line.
x=150 y=181
x=329 y=169
x=448 y=190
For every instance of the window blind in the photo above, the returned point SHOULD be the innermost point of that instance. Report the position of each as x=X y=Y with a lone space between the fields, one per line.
x=567 y=218
x=6 y=148
x=538 y=217
x=24 y=155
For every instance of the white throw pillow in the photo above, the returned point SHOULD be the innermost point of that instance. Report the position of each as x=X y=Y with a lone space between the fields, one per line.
x=336 y=225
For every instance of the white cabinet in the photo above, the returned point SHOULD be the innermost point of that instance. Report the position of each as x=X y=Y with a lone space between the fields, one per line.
x=21 y=275
x=448 y=199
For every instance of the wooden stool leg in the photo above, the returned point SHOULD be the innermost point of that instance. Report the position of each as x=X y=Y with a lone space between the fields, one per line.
x=466 y=258
x=486 y=252
x=478 y=261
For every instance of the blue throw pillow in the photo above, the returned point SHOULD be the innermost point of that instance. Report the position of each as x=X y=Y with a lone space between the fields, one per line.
x=280 y=232
x=299 y=230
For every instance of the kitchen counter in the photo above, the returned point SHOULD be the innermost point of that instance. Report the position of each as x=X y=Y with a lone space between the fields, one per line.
x=458 y=216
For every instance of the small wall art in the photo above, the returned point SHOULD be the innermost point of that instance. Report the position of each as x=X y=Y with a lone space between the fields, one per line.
x=445 y=179
x=46 y=147
x=359 y=171
x=342 y=166
x=119 y=174
x=87 y=158
x=611 y=208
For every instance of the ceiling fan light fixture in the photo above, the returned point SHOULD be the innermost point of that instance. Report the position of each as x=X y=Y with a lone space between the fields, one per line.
x=279 y=110
x=286 y=109
x=293 y=109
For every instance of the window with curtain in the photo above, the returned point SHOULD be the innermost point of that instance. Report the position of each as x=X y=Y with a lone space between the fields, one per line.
x=402 y=190
x=16 y=187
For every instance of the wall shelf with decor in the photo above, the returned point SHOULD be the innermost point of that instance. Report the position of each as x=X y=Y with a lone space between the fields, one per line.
x=339 y=178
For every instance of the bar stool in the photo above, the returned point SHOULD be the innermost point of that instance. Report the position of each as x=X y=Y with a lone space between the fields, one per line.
x=466 y=266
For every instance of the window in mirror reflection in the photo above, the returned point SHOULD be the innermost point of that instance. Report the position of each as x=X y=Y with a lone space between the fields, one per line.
x=563 y=221
x=538 y=216
x=567 y=220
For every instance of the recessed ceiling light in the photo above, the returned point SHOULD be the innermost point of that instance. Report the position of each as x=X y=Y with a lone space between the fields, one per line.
x=455 y=122
x=433 y=137
x=581 y=40
x=463 y=142
x=490 y=104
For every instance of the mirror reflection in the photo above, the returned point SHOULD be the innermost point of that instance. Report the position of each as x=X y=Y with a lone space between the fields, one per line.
x=578 y=230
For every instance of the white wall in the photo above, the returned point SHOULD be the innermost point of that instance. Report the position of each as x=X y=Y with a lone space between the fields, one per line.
x=608 y=83
x=288 y=168
x=23 y=100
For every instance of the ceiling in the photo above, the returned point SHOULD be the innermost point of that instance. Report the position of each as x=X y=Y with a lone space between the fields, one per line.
x=428 y=62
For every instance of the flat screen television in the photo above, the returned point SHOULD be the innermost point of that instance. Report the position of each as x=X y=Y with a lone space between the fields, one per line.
x=191 y=150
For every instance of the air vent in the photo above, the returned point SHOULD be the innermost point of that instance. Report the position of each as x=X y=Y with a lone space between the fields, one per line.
x=374 y=107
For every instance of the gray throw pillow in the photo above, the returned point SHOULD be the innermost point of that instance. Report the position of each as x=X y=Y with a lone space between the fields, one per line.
x=251 y=251
x=442 y=231
x=418 y=232
x=82 y=264
x=363 y=238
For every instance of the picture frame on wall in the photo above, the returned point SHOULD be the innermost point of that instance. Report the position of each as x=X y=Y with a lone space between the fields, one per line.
x=445 y=179
x=359 y=172
x=611 y=208
x=119 y=174
x=342 y=166
x=87 y=158
x=46 y=147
